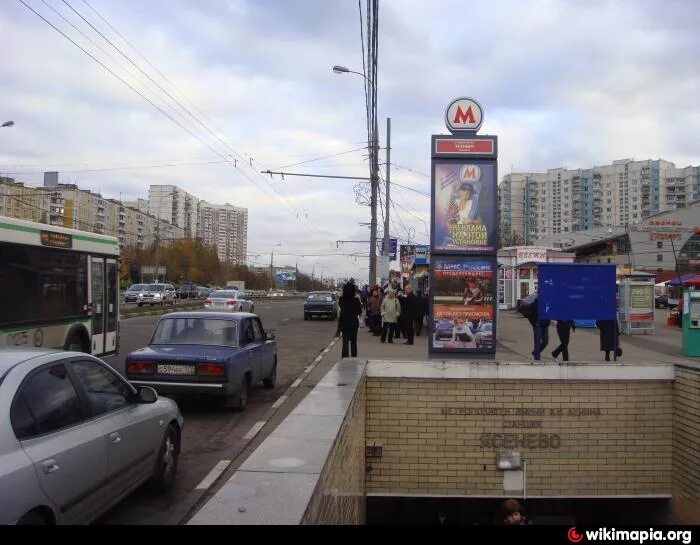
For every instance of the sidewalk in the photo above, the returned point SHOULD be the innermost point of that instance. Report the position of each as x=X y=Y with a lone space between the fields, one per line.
x=514 y=343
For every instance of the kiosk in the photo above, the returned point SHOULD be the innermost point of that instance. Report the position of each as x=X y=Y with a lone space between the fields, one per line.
x=691 y=323
x=636 y=311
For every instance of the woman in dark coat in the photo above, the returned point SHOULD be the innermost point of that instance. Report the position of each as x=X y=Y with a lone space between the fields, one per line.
x=349 y=319
x=609 y=332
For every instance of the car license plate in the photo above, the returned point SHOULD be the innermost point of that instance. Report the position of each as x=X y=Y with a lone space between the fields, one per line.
x=166 y=369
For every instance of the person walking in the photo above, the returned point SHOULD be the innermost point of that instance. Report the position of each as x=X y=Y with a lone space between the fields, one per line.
x=390 y=310
x=349 y=319
x=564 y=329
x=609 y=337
x=422 y=312
x=374 y=312
x=400 y=297
x=540 y=328
x=410 y=311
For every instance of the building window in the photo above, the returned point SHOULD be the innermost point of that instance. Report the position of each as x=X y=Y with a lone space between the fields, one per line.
x=659 y=257
x=660 y=244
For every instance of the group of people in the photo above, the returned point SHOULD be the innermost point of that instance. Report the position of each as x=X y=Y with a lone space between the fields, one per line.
x=389 y=314
x=609 y=334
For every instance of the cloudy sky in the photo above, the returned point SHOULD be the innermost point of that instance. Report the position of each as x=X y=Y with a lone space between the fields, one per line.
x=563 y=83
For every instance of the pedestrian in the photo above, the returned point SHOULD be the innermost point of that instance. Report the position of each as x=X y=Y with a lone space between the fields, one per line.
x=564 y=329
x=513 y=514
x=391 y=310
x=540 y=328
x=400 y=297
x=374 y=312
x=410 y=312
x=349 y=319
x=609 y=337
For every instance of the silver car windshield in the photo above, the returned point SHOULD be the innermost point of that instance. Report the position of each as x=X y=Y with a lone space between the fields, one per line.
x=203 y=331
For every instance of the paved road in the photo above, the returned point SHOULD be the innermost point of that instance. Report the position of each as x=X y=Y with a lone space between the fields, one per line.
x=212 y=434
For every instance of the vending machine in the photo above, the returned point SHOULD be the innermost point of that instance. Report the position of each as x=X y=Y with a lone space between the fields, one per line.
x=691 y=323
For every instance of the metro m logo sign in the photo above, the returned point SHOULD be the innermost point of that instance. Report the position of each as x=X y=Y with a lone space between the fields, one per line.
x=464 y=114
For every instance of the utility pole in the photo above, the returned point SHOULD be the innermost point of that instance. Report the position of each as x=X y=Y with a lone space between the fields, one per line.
x=387 y=239
x=374 y=181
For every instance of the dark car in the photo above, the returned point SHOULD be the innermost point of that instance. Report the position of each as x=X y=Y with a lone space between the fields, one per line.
x=187 y=291
x=444 y=330
x=206 y=353
x=661 y=301
x=484 y=335
x=131 y=294
x=321 y=303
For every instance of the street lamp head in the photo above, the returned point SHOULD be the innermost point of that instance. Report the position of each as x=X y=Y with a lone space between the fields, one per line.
x=340 y=69
x=7 y=124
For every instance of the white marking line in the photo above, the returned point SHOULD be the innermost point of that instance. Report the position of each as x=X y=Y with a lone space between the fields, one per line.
x=296 y=383
x=254 y=430
x=277 y=404
x=214 y=474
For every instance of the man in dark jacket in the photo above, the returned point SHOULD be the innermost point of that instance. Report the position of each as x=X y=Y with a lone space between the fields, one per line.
x=422 y=312
x=349 y=319
x=540 y=328
x=410 y=311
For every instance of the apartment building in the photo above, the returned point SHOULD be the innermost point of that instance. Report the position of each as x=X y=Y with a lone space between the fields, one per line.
x=538 y=205
x=226 y=227
x=173 y=205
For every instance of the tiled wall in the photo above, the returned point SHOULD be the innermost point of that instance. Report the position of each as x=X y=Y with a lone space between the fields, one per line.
x=339 y=497
x=578 y=437
x=686 y=444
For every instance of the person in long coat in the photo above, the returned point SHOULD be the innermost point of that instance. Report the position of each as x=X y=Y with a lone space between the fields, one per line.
x=391 y=310
x=374 y=312
x=609 y=333
x=349 y=319
x=410 y=311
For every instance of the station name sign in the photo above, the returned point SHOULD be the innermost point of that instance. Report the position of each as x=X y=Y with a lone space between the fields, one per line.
x=56 y=240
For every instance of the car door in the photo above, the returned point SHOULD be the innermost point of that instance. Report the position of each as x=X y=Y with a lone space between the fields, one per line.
x=253 y=347
x=131 y=432
x=66 y=447
x=268 y=350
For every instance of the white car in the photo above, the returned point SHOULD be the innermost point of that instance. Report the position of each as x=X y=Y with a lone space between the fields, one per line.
x=76 y=437
x=233 y=300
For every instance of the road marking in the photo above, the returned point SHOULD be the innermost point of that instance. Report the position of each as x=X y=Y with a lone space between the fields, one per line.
x=254 y=430
x=277 y=404
x=296 y=383
x=214 y=474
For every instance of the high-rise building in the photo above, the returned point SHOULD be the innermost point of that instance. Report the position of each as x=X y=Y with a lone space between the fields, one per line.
x=19 y=201
x=225 y=227
x=537 y=205
x=173 y=205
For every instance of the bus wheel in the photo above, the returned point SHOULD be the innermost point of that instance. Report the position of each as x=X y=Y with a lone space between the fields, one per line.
x=76 y=343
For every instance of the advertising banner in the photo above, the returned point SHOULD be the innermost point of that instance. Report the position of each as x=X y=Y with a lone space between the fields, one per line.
x=526 y=254
x=285 y=276
x=408 y=253
x=422 y=253
x=641 y=303
x=464 y=206
x=463 y=309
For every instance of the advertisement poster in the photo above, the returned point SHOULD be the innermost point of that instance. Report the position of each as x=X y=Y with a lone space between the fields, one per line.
x=464 y=201
x=407 y=255
x=463 y=304
x=641 y=307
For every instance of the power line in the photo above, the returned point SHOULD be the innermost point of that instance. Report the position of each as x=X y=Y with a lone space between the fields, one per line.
x=320 y=158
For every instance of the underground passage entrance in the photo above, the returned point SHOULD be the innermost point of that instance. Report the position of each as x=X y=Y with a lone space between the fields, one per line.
x=421 y=511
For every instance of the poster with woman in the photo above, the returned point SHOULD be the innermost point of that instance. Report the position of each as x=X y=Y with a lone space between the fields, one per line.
x=463 y=304
x=464 y=206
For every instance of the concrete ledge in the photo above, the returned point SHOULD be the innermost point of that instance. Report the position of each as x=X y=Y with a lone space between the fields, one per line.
x=489 y=370
x=277 y=482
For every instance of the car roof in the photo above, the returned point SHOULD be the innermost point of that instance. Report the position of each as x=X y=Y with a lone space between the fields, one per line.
x=207 y=314
x=312 y=292
x=10 y=357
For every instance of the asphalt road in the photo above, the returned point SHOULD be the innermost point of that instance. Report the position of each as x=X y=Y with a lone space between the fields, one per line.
x=212 y=434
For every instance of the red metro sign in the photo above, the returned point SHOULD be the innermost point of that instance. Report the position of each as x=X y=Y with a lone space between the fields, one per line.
x=464 y=114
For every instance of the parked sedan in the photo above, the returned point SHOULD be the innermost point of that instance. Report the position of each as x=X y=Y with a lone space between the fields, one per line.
x=661 y=301
x=131 y=294
x=219 y=354
x=229 y=300
x=76 y=437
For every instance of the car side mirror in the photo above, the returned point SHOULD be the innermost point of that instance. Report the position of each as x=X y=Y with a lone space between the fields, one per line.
x=146 y=394
x=269 y=336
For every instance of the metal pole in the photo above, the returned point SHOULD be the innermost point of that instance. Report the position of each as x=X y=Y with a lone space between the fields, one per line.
x=387 y=239
x=272 y=250
x=373 y=222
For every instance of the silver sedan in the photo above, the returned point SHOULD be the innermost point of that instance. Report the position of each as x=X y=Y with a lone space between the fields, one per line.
x=229 y=300
x=76 y=437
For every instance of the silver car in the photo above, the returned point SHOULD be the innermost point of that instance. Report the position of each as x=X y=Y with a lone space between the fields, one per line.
x=76 y=437
x=231 y=300
x=157 y=294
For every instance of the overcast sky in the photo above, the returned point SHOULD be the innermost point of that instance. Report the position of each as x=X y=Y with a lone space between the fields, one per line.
x=562 y=83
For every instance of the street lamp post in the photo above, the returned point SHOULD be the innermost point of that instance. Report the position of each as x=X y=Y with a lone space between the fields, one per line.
x=373 y=147
x=272 y=250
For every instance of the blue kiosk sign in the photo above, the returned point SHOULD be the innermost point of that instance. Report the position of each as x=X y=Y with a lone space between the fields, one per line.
x=463 y=244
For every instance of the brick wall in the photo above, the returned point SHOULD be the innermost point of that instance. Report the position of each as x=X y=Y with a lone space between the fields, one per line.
x=686 y=444
x=595 y=437
x=339 y=497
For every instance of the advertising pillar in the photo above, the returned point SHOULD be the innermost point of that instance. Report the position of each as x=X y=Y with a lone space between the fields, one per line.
x=463 y=244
